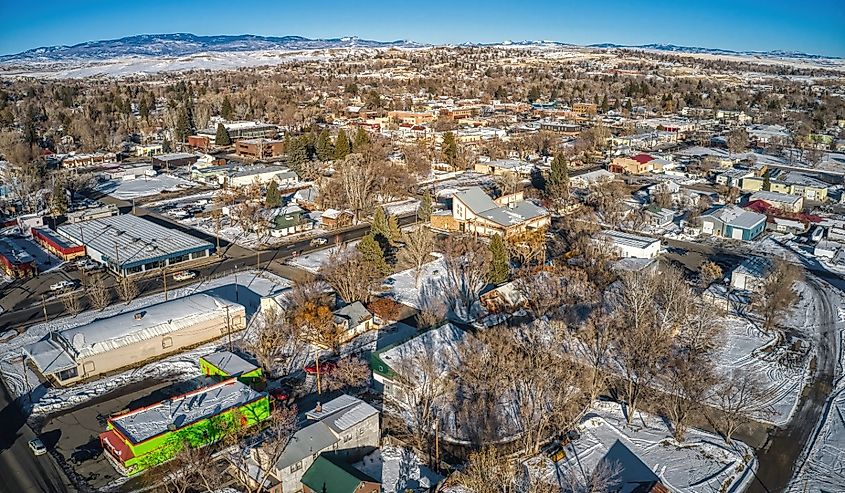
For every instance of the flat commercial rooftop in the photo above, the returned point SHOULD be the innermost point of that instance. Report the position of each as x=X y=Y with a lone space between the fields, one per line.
x=129 y=241
x=627 y=239
x=182 y=411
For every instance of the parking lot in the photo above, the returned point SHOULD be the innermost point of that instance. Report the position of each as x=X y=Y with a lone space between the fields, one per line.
x=73 y=435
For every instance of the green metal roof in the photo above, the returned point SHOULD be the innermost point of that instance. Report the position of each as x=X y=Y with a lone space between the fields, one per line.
x=329 y=474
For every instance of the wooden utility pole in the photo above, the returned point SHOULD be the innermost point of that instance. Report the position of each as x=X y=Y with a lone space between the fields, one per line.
x=229 y=327
x=436 y=446
x=164 y=279
x=319 y=387
x=258 y=259
x=44 y=306
x=217 y=231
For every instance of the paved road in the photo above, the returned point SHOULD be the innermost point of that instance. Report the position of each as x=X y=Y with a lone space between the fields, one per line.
x=778 y=460
x=20 y=470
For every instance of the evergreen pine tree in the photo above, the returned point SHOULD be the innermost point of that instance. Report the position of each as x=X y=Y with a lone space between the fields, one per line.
x=324 y=146
x=58 y=200
x=182 y=126
x=450 y=148
x=372 y=253
x=296 y=149
x=274 y=198
x=361 y=138
x=222 y=138
x=499 y=264
x=557 y=185
x=341 y=145
x=165 y=145
x=426 y=208
x=226 y=109
x=380 y=228
x=767 y=183
x=143 y=108
x=393 y=229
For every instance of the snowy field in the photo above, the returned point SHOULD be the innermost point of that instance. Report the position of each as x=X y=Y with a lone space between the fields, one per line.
x=702 y=463
x=251 y=286
x=783 y=370
x=143 y=187
x=398 y=470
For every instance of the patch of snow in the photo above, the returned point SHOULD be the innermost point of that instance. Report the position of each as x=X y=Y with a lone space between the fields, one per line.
x=143 y=187
x=398 y=470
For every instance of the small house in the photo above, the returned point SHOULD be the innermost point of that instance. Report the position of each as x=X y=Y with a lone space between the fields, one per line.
x=227 y=364
x=331 y=474
x=353 y=320
x=335 y=219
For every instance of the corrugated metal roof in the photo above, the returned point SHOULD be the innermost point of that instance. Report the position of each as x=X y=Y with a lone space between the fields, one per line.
x=130 y=240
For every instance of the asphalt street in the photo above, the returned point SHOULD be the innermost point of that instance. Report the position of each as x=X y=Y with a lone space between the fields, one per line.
x=20 y=470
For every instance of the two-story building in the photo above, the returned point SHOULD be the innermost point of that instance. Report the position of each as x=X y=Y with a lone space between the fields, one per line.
x=473 y=211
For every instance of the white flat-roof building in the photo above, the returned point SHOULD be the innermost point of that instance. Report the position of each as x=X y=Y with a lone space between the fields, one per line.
x=128 y=244
x=631 y=246
x=111 y=343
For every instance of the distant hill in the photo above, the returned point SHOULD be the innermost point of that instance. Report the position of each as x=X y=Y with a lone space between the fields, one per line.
x=715 y=51
x=181 y=44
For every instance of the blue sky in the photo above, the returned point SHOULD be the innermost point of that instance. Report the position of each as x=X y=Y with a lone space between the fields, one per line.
x=813 y=27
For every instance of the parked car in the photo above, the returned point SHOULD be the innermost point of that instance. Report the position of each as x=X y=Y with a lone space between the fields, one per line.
x=90 y=266
x=281 y=393
x=62 y=285
x=37 y=446
x=326 y=367
x=319 y=241
x=184 y=275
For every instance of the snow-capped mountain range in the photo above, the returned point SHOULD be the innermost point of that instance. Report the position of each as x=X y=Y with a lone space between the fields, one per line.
x=183 y=44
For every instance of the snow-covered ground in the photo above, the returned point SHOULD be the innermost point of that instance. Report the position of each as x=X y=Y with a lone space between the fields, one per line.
x=404 y=288
x=823 y=460
x=143 y=187
x=402 y=207
x=312 y=262
x=701 y=463
x=398 y=470
x=251 y=286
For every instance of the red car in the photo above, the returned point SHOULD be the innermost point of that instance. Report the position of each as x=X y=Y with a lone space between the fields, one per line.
x=326 y=367
x=280 y=394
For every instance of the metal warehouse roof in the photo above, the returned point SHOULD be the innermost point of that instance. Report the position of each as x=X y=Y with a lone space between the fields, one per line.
x=132 y=240
x=184 y=410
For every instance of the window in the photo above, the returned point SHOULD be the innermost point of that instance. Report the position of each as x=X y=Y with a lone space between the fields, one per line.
x=68 y=374
x=167 y=342
x=296 y=467
x=347 y=438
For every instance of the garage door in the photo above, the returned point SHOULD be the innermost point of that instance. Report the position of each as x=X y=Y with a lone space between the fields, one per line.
x=736 y=233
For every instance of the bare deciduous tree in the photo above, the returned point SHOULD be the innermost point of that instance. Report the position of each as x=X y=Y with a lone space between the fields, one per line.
x=740 y=398
x=467 y=263
x=776 y=296
x=72 y=303
x=350 y=275
x=276 y=342
x=98 y=294
x=419 y=244
x=261 y=460
x=127 y=289
x=602 y=479
x=350 y=373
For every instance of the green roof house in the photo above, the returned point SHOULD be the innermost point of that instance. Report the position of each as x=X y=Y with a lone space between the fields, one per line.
x=331 y=474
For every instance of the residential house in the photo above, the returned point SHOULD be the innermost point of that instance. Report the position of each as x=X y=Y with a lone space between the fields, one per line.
x=174 y=160
x=730 y=221
x=627 y=245
x=475 y=212
x=263 y=175
x=289 y=220
x=331 y=474
x=591 y=178
x=345 y=426
x=733 y=177
x=788 y=182
x=335 y=219
x=353 y=320
x=392 y=367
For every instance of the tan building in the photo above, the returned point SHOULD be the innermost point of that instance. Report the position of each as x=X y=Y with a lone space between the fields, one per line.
x=475 y=212
x=585 y=108
x=635 y=165
x=259 y=148
x=108 y=344
x=87 y=160
x=410 y=117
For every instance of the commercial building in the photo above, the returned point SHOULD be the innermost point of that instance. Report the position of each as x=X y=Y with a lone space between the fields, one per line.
x=87 y=160
x=174 y=160
x=506 y=167
x=782 y=201
x=55 y=244
x=145 y=437
x=65 y=357
x=730 y=221
x=750 y=274
x=259 y=148
x=88 y=213
x=242 y=130
x=263 y=175
x=15 y=261
x=128 y=244
x=627 y=245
